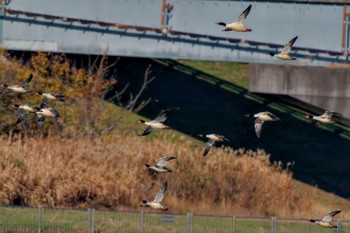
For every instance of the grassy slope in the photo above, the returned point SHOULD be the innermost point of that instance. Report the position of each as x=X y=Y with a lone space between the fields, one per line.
x=195 y=90
x=210 y=104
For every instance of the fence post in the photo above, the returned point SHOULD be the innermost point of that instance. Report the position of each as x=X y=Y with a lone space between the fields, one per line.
x=93 y=221
x=233 y=224
x=273 y=224
x=141 y=222
x=191 y=225
x=189 y=222
x=309 y=227
x=339 y=226
x=39 y=219
x=88 y=220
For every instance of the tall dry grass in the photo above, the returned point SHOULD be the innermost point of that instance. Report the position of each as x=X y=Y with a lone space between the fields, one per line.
x=110 y=173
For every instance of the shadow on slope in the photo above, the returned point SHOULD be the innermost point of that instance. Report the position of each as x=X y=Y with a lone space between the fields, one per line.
x=211 y=105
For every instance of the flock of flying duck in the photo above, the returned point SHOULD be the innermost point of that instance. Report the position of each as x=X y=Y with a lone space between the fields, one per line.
x=158 y=123
x=260 y=118
x=25 y=109
x=238 y=26
x=160 y=167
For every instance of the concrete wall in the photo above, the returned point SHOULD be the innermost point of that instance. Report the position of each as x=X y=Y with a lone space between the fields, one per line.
x=328 y=88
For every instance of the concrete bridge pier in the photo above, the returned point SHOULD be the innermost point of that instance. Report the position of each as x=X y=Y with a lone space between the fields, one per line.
x=325 y=87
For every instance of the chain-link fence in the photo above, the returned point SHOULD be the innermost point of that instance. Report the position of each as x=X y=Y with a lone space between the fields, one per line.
x=42 y=220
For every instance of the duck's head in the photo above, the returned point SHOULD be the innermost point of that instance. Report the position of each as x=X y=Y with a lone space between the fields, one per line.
x=308 y=116
x=248 y=115
x=201 y=135
x=141 y=121
x=4 y=85
x=39 y=93
x=15 y=105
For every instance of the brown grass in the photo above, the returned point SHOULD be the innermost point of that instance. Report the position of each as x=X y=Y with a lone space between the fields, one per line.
x=111 y=173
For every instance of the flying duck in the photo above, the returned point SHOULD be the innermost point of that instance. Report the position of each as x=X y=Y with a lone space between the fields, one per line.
x=326 y=220
x=156 y=123
x=52 y=96
x=46 y=112
x=19 y=88
x=155 y=204
x=161 y=165
x=284 y=54
x=238 y=25
x=212 y=139
x=25 y=109
x=261 y=117
x=325 y=118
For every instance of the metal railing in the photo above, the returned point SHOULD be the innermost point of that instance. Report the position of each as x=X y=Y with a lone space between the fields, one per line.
x=18 y=219
x=307 y=53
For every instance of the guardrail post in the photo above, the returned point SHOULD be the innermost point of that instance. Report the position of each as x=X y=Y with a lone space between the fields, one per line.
x=233 y=224
x=39 y=219
x=88 y=220
x=141 y=222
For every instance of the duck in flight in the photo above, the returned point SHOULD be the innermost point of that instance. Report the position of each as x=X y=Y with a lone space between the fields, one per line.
x=325 y=118
x=212 y=139
x=261 y=117
x=326 y=221
x=161 y=165
x=19 y=88
x=156 y=203
x=25 y=109
x=284 y=54
x=52 y=96
x=156 y=123
x=46 y=112
x=238 y=25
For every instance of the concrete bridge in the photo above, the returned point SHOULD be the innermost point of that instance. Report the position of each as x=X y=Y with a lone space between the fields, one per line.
x=178 y=29
x=186 y=29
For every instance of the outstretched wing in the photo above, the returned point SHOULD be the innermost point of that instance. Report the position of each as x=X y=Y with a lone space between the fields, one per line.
x=147 y=131
x=55 y=112
x=208 y=146
x=59 y=96
x=288 y=46
x=161 y=193
x=244 y=14
x=22 y=116
x=41 y=119
x=258 y=126
x=273 y=117
x=223 y=138
x=328 y=114
x=164 y=160
x=328 y=217
x=44 y=103
x=25 y=82
x=163 y=115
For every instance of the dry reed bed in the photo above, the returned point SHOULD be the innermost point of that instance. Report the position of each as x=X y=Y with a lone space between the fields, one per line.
x=111 y=173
